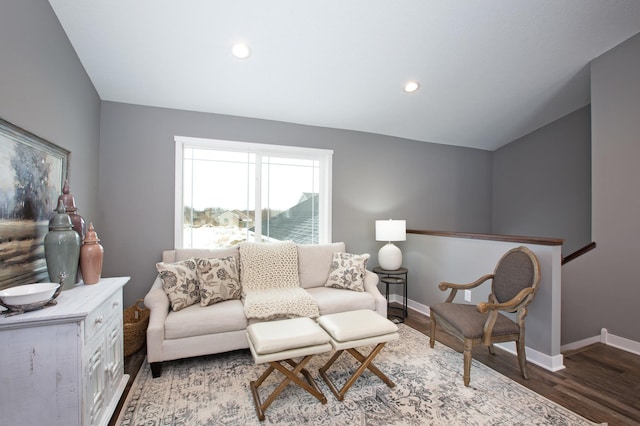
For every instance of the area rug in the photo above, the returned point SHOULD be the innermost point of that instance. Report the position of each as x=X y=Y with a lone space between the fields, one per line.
x=214 y=390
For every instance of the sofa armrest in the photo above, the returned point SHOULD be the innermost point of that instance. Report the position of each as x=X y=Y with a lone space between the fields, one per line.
x=371 y=286
x=158 y=303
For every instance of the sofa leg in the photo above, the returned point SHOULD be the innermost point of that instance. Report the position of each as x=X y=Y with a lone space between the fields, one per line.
x=156 y=369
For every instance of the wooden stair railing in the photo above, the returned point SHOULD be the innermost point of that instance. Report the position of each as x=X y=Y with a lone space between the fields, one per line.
x=509 y=238
x=579 y=252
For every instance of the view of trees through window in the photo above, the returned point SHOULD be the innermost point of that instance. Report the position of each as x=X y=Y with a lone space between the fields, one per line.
x=229 y=196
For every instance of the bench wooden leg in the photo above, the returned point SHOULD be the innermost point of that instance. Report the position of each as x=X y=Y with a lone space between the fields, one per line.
x=366 y=363
x=290 y=376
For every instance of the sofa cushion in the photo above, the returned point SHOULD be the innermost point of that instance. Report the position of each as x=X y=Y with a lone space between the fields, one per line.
x=180 y=282
x=218 y=280
x=333 y=300
x=200 y=321
x=347 y=271
x=314 y=262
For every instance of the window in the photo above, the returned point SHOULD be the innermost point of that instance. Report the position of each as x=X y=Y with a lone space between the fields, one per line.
x=228 y=192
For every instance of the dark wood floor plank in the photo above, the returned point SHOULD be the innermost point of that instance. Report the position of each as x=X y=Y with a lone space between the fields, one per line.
x=607 y=401
x=589 y=408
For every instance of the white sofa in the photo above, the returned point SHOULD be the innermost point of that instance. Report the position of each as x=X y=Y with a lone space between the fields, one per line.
x=221 y=327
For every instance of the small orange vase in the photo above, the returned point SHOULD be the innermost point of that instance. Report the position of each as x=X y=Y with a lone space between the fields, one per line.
x=91 y=254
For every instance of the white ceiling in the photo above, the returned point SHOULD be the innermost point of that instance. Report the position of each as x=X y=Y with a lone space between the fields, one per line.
x=490 y=71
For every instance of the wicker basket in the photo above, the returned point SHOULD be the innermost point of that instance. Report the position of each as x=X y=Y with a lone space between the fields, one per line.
x=135 y=319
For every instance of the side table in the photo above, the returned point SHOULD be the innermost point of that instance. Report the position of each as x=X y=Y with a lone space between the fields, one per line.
x=398 y=276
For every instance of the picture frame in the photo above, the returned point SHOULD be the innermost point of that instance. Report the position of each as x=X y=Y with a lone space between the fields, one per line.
x=32 y=174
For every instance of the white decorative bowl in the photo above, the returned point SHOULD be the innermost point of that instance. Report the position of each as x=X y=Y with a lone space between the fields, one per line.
x=28 y=294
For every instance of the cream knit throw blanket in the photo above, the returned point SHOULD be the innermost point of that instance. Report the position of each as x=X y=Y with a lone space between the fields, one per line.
x=270 y=285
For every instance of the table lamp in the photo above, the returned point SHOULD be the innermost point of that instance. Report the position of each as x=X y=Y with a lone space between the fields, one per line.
x=390 y=256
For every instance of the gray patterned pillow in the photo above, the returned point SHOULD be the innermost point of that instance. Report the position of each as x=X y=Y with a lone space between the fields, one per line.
x=180 y=282
x=347 y=271
x=218 y=280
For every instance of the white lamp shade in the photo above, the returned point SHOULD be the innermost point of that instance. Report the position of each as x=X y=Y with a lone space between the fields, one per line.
x=391 y=230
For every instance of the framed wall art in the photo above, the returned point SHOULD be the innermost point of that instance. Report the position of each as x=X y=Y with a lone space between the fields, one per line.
x=32 y=173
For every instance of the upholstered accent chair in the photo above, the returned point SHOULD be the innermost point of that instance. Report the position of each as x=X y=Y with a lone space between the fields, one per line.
x=513 y=286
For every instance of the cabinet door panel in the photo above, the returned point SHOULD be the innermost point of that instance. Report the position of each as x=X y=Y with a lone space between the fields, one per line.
x=114 y=353
x=95 y=375
x=29 y=392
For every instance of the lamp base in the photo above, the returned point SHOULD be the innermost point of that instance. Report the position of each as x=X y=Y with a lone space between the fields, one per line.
x=390 y=257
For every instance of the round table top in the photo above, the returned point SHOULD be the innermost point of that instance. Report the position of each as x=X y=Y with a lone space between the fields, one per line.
x=379 y=270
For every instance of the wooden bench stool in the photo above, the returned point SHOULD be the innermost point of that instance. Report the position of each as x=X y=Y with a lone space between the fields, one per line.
x=349 y=330
x=277 y=342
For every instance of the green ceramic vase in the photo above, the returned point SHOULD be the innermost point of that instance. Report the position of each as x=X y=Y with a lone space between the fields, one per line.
x=62 y=248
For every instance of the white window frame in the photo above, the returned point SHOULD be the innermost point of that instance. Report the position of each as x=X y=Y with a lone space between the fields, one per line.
x=323 y=156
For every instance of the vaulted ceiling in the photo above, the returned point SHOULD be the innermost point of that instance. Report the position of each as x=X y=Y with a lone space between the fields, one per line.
x=489 y=71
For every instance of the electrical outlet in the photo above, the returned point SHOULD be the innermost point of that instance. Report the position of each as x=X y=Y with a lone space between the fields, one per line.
x=467 y=295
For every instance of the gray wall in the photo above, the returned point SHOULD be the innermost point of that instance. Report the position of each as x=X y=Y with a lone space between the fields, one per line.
x=542 y=183
x=602 y=288
x=374 y=177
x=45 y=90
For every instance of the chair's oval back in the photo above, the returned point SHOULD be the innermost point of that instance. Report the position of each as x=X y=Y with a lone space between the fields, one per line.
x=517 y=269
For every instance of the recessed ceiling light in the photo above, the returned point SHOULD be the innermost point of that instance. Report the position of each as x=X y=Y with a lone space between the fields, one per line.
x=241 y=50
x=411 y=86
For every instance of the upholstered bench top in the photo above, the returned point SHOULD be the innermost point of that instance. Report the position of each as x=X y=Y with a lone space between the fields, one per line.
x=285 y=339
x=358 y=328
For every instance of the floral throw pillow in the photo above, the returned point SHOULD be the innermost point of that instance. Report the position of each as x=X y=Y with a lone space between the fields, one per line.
x=347 y=271
x=218 y=280
x=180 y=282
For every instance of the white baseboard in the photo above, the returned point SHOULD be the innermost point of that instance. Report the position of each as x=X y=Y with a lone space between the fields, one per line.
x=397 y=298
x=608 y=339
x=580 y=344
x=551 y=363
x=619 y=342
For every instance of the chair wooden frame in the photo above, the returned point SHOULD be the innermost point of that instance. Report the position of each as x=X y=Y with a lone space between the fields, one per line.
x=517 y=304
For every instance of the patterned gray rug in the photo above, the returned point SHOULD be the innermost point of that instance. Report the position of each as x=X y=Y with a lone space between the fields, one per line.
x=214 y=390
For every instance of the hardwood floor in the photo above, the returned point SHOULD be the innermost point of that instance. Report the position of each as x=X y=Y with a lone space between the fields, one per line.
x=600 y=382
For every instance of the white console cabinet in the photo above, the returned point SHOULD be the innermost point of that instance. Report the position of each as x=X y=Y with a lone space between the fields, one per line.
x=64 y=364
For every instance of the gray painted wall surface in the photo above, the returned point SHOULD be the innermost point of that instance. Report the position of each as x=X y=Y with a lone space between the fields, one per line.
x=542 y=183
x=374 y=177
x=45 y=90
x=603 y=287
